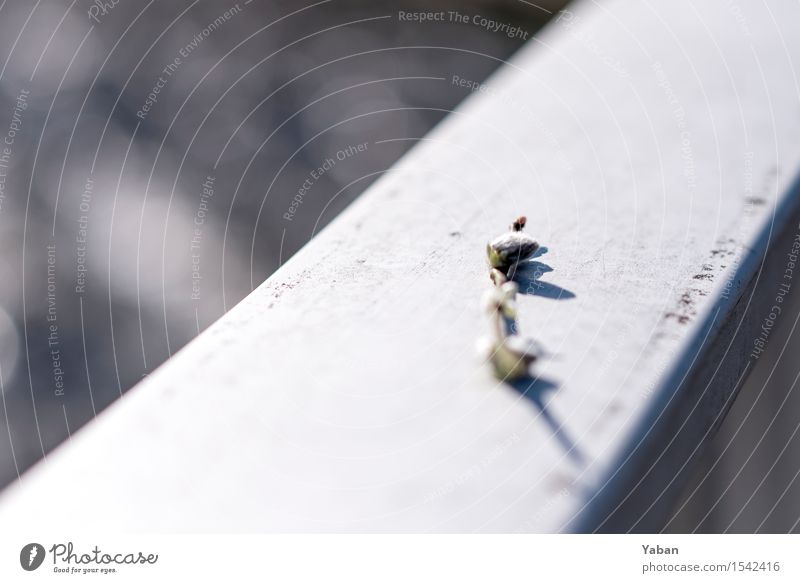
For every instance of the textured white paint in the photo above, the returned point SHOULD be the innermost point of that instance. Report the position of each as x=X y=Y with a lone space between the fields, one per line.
x=345 y=394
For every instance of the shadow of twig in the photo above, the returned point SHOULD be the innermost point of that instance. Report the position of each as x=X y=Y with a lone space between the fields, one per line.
x=534 y=389
x=528 y=276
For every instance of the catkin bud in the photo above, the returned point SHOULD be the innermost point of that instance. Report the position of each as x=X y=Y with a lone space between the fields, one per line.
x=508 y=250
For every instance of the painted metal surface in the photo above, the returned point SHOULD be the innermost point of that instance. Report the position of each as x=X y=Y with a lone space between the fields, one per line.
x=654 y=150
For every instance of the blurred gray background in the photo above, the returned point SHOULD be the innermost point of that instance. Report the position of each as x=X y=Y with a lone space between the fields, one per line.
x=128 y=225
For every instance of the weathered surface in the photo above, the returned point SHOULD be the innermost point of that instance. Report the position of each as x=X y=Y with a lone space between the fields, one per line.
x=650 y=148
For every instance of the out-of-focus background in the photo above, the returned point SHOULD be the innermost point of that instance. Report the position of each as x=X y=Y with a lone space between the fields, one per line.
x=161 y=159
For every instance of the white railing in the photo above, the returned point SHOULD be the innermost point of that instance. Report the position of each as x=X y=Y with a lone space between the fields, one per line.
x=654 y=149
